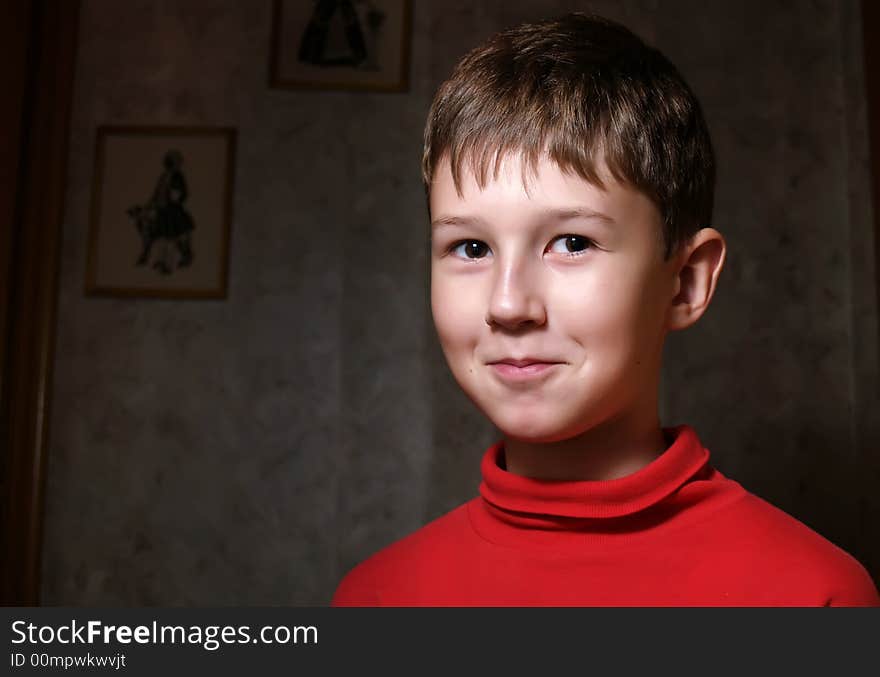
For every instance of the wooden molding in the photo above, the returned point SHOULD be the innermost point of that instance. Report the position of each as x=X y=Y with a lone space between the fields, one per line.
x=32 y=238
x=871 y=41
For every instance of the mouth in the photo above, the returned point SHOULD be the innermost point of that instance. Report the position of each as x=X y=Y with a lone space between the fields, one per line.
x=520 y=370
x=524 y=361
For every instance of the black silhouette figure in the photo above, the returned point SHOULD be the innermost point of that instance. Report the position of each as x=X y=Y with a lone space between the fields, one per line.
x=317 y=44
x=164 y=217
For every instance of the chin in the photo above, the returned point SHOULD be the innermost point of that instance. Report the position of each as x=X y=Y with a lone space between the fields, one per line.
x=538 y=429
x=535 y=436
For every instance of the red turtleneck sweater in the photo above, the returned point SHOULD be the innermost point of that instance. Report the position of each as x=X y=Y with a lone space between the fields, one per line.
x=675 y=533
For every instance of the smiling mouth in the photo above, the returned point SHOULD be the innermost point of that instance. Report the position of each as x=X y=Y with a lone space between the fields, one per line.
x=528 y=371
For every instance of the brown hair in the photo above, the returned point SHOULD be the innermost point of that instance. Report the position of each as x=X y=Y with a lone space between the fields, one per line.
x=581 y=89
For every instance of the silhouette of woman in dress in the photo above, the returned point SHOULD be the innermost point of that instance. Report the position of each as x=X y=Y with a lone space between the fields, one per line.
x=327 y=42
x=164 y=217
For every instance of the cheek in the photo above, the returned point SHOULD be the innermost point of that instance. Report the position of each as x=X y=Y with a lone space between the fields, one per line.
x=456 y=314
x=605 y=315
x=592 y=309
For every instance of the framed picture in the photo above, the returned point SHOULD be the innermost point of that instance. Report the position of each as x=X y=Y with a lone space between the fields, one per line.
x=161 y=211
x=341 y=44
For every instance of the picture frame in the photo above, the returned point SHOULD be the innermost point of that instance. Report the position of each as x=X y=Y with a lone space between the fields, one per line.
x=161 y=212
x=341 y=45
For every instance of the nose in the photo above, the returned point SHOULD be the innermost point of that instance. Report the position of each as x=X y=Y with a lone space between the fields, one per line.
x=516 y=298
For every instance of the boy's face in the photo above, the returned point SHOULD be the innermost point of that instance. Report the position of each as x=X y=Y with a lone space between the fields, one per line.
x=567 y=274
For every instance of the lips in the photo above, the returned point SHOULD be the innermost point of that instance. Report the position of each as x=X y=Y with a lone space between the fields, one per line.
x=521 y=370
x=525 y=361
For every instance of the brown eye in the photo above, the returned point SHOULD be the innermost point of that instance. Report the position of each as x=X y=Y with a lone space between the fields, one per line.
x=470 y=249
x=572 y=245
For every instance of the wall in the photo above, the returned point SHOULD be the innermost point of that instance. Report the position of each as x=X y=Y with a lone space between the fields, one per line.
x=251 y=450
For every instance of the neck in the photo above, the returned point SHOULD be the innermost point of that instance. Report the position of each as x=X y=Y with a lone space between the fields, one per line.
x=613 y=449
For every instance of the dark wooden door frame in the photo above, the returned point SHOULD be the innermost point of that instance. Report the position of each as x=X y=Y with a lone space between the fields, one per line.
x=38 y=43
x=871 y=39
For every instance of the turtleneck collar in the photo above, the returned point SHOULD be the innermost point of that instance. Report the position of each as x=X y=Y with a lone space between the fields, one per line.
x=511 y=505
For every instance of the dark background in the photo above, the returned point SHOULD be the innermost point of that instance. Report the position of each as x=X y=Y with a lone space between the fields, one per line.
x=251 y=450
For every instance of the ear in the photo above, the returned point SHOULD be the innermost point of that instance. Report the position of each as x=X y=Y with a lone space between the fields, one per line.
x=699 y=265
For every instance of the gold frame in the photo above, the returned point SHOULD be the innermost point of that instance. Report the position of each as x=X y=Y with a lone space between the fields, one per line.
x=401 y=84
x=229 y=134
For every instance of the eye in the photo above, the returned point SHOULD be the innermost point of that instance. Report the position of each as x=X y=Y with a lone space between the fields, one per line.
x=469 y=249
x=572 y=245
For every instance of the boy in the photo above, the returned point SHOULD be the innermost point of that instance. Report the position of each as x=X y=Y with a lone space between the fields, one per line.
x=570 y=178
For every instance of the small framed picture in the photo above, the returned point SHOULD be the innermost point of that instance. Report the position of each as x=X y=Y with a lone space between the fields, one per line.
x=161 y=211
x=341 y=44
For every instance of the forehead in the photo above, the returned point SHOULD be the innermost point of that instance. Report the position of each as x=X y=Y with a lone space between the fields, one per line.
x=519 y=191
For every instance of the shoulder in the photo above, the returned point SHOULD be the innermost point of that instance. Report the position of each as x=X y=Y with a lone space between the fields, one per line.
x=777 y=543
x=411 y=557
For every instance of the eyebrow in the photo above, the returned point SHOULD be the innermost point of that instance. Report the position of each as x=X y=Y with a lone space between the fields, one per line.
x=559 y=214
